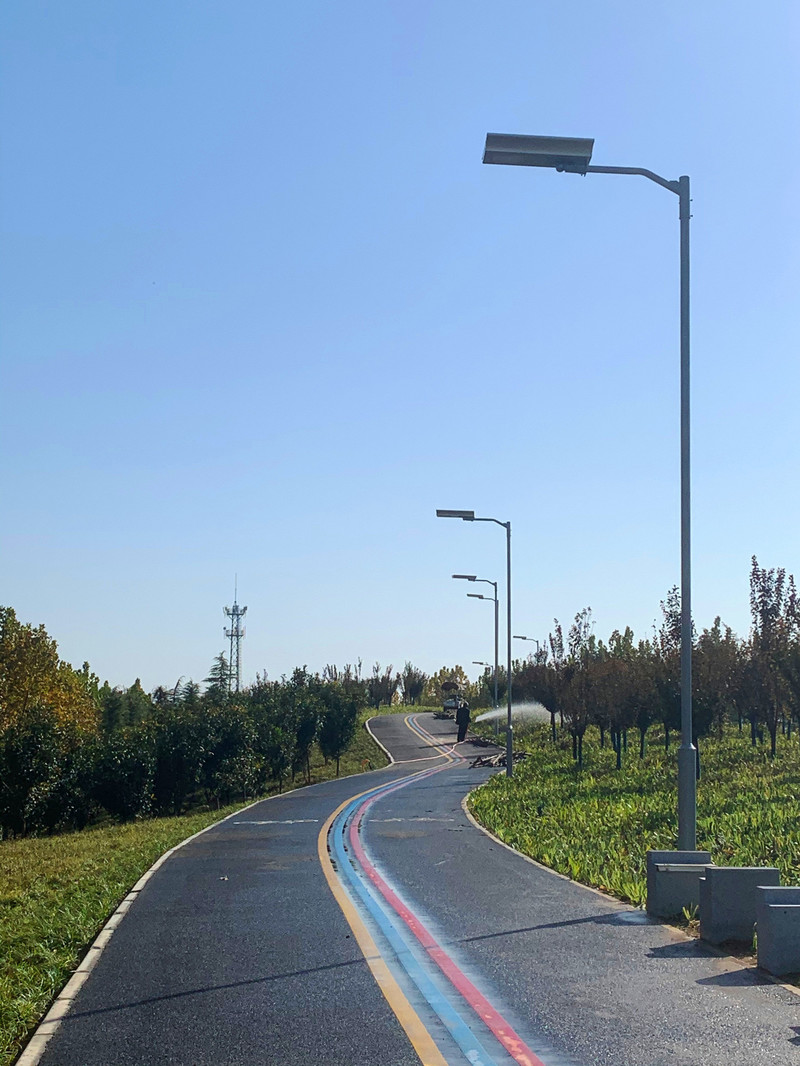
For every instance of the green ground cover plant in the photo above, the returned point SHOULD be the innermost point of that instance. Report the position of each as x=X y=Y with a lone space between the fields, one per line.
x=56 y=892
x=596 y=825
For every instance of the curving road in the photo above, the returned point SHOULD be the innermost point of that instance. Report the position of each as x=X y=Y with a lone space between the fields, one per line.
x=367 y=921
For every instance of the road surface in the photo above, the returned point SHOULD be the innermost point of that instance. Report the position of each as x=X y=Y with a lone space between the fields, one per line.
x=366 y=921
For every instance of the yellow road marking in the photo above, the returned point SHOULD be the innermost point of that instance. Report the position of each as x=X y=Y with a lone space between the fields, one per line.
x=420 y=1038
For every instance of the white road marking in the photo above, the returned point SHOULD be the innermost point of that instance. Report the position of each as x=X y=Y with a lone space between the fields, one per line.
x=279 y=821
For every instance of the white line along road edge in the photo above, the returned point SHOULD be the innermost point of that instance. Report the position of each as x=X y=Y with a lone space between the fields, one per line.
x=385 y=751
x=34 y=1049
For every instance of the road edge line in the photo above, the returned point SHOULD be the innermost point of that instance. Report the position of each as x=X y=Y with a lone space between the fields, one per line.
x=60 y=1006
x=385 y=750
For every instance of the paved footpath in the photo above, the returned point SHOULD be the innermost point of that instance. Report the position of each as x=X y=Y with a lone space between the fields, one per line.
x=367 y=921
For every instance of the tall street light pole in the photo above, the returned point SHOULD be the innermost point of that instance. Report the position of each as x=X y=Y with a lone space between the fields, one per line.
x=572 y=155
x=476 y=596
x=469 y=516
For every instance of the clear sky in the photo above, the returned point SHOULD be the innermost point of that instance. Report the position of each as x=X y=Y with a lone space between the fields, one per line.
x=262 y=311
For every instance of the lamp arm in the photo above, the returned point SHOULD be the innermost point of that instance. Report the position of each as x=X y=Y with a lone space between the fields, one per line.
x=673 y=186
x=496 y=521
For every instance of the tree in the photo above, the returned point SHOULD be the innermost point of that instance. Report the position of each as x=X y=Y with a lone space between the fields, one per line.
x=338 y=722
x=381 y=687
x=773 y=610
x=667 y=648
x=178 y=738
x=716 y=678
x=30 y=757
x=229 y=764
x=303 y=699
x=125 y=765
x=32 y=674
x=434 y=694
x=273 y=719
x=536 y=680
x=413 y=683
x=577 y=691
x=218 y=681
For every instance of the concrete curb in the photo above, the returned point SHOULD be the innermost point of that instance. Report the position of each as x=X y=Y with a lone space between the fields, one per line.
x=385 y=750
x=675 y=931
x=540 y=866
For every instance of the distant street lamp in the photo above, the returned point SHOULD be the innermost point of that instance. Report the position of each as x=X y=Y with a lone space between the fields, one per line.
x=535 y=641
x=469 y=516
x=552 y=715
x=476 y=596
x=572 y=155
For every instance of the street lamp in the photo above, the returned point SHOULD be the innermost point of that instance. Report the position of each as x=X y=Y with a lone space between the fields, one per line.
x=535 y=641
x=573 y=155
x=476 y=596
x=469 y=516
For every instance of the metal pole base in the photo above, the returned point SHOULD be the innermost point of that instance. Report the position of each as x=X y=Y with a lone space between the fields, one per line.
x=687 y=798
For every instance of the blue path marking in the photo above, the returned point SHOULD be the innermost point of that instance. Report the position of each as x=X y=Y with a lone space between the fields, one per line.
x=405 y=953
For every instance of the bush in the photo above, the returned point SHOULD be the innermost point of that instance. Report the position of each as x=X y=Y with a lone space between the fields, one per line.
x=124 y=769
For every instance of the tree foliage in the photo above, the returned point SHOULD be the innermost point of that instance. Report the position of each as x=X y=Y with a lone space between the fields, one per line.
x=382 y=686
x=33 y=675
x=412 y=683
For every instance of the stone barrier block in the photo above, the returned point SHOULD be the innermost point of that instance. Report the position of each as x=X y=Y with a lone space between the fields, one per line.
x=673 y=881
x=778 y=926
x=728 y=900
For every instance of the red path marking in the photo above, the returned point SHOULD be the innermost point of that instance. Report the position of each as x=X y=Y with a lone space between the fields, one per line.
x=510 y=1040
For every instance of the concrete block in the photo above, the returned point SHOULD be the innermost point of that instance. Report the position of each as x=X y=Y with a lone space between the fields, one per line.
x=673 y=879
x=728 y=900
x=778 y=926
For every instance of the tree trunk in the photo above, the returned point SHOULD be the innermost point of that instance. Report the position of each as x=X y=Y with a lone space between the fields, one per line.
x=642 y=741
x=580 y=751
x=574 y=745
x=666 y=737
x=553 y=725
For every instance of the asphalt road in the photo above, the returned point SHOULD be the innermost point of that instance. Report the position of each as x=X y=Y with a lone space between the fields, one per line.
x=237 y=951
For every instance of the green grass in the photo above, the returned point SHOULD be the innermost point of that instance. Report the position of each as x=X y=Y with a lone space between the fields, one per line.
x=597 y=826
x=57 y=892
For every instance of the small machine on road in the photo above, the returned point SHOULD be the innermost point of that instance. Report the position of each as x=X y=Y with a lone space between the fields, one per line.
x=452 y=700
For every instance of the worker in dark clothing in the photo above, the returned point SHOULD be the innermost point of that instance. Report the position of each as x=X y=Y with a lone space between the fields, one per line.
x=462 y=719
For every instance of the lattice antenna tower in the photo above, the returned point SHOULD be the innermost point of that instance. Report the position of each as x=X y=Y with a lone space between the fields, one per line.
x=235 y=634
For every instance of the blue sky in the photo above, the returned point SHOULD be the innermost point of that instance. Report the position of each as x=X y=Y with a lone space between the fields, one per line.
x=262 y=311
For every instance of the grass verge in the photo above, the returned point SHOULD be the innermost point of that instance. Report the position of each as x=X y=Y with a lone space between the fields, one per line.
x=597 y=825
x=57 y=892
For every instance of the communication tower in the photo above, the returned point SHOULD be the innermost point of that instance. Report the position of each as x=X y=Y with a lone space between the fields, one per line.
x=235 y=634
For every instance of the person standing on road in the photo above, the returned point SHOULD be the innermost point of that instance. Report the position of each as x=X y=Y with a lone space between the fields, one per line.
x=462 y=719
